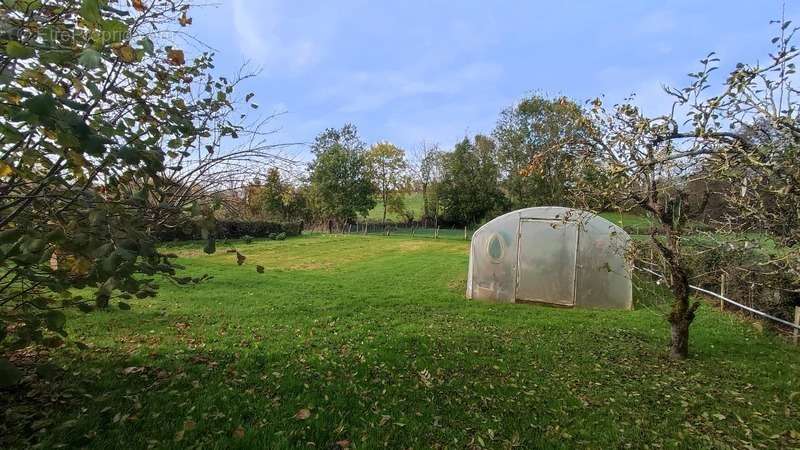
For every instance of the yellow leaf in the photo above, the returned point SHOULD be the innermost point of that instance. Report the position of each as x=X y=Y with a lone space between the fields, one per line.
x=139 y=5
x=126 y=53
x=184 y=20
x=80 y=266
x=77 y=84
x=5 y=169
x=176 y=57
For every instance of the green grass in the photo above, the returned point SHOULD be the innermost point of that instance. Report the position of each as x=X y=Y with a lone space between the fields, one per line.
x=413 y=201
x=373 y=336
x=622 y=219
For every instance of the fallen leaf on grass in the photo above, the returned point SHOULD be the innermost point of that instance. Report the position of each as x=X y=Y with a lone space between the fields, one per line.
x=303 y=414
x=132 y=370
x=238 y=433
x=344 y=443
x=189 y=425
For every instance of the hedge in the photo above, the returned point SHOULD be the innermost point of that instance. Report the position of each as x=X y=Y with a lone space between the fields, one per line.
x=234 y=229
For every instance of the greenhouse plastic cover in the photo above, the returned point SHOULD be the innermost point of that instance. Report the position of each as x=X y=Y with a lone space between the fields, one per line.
x=552 y=255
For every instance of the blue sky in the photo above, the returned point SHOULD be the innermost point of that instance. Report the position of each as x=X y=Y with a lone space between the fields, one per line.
x=435 y=71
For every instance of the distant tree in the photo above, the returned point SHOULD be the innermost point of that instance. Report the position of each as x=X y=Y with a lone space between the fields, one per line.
x=274 y=193
x=469 y=189
x=431 y=170
x=539 y=129
x=389 y=167
x=252 y=200
x=341 y=176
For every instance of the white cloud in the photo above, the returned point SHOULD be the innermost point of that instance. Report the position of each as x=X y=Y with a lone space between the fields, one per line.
x=658 y=21
x=364 y=91
x=261 y=37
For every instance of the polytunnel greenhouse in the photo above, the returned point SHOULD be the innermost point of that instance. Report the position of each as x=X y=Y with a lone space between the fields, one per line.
x=551 y=255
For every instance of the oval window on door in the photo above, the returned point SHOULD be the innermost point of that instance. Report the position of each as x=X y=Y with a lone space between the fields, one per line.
x=496 y=248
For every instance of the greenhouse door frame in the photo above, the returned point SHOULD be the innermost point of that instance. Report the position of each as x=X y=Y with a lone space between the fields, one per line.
x=574 y=265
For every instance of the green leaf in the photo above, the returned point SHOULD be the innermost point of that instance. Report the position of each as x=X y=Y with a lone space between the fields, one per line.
x=15 y=50
x=9 y=375
x=114 y=31
x=90 y=59
x=108 y=287
x=90 y=11
x=147 y=46
x=10 y=235
x=42 y=105
x=55 y=320
x=48 y=371
x=58 y=57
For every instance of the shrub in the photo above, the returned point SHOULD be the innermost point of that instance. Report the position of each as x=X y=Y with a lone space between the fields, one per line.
x=272 y=236
x=280 y=236
x=247 y=239
x=234 y=229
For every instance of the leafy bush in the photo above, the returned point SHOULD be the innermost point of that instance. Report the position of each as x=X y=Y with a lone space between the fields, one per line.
x=272 y=236
x=234 y=229
x=280 y=236
x=247 y=239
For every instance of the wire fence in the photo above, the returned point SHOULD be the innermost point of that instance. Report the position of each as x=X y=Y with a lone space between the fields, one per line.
x=794 y=328
x=414 y=230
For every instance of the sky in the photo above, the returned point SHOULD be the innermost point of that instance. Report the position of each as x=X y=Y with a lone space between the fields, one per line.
x=415 y=72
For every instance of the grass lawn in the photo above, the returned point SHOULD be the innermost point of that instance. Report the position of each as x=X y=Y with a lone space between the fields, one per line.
x=369 y=342
x=623 y=219
x=413 y=201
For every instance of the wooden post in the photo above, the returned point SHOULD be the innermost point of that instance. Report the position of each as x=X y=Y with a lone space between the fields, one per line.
x=436 y=235
x=722 y=289
x=796 y=332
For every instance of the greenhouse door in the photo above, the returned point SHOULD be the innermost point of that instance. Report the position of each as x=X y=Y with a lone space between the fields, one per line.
x=546 y=259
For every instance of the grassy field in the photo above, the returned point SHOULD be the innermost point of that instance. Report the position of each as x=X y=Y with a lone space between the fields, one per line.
x=413 y=202
x=368 y=342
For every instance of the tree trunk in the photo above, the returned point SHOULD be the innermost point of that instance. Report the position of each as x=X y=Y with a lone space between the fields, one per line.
x=682 y=314
x=679 y=345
